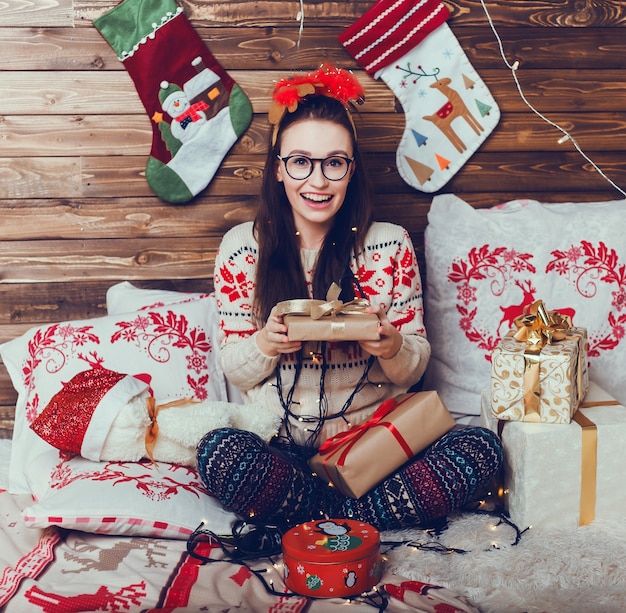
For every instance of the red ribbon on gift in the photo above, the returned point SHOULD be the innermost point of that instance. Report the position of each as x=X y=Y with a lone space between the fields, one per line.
x=349 y=438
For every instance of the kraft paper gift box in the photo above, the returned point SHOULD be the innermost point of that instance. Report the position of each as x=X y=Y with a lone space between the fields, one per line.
x=358 y=459
x=564 y=475
x=536 y=378
x=354 y=327
x=329 y=320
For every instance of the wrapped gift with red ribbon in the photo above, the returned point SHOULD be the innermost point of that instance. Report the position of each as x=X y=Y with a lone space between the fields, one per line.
x=356 y=460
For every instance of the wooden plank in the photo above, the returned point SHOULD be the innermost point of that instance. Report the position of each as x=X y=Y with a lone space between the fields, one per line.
x=78 y=93
x=54 y=135
x=541 y=13
x=121 y=217
x=119 y=260
x=45 y=13
x=123 y=176
x=41 y=303
x=483 y=172
x=96 y=135
x=34 y=220
x=277 y=47
x=248 y=13
x=40 y=177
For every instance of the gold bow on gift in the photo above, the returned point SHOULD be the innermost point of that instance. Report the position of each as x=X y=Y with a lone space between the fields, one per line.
x=537 y=327
x=317 y=309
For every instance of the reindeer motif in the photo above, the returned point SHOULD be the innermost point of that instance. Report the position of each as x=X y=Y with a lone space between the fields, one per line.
x=453 y=108
x=512 y=311
x=509 y=313
x=100 y=600
x=110 y=559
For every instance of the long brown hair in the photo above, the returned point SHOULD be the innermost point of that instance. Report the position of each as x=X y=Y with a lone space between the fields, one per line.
x=279 y=273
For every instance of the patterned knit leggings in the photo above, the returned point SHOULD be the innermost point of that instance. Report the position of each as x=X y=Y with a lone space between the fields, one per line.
x=272 y=483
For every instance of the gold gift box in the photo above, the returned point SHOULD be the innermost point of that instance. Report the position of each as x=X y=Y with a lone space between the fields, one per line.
x=399 y=429
x=544 y=386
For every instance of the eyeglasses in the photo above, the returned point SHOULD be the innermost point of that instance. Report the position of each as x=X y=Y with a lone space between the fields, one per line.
x=300 y=167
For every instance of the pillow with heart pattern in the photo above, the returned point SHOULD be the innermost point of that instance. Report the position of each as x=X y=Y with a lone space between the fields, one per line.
x=484 y=265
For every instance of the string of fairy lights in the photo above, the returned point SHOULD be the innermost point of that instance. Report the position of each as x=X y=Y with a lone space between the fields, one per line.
x=514 y=68
x=566 y=136
x=203 y=543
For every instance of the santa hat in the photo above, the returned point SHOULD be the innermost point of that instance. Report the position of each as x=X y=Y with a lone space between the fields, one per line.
x=78 y=418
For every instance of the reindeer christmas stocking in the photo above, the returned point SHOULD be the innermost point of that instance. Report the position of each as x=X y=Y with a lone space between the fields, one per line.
x=449 y=110
x=196 y=109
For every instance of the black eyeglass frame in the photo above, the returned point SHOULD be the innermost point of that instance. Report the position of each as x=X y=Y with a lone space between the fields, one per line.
x=285 y=159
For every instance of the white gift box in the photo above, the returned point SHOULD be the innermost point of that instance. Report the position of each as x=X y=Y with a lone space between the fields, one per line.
x=564 y=474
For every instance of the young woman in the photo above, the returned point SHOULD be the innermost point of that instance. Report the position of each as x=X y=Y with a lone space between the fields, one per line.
x=314 y=227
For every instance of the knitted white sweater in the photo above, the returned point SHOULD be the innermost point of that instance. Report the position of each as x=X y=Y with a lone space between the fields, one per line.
x=388 y=273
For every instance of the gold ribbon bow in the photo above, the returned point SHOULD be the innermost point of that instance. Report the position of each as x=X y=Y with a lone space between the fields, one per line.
x=153 y=412
x=316 y=309
x=537 y=327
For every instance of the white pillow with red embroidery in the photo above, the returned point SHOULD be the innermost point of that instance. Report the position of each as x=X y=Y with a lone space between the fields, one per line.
x=171 y=344
x=125 y=296
x=484 y=265
x=122 y=498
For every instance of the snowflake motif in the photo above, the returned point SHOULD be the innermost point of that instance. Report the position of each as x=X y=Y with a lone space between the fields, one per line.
x=141 y=323
x=300 y=569
x=619 y=299
x=573 y=254
x=466 y=293
x=196 y=362
x=66 y=331
x=466 y=323
x=32 y=409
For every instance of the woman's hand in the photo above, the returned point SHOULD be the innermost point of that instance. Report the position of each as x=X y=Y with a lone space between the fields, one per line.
x=390 y=339
x=272 y=339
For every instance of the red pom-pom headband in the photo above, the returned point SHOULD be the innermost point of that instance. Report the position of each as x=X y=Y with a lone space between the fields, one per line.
x=325 y=81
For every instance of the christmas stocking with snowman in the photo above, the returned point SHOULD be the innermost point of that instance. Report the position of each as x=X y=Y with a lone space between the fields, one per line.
x=196 y=109
x=449 y=110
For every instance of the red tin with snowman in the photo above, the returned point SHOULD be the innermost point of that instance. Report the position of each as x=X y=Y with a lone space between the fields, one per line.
x=331 y=558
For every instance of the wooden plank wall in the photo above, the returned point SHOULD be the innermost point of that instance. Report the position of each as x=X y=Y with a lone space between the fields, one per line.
x=77 y=216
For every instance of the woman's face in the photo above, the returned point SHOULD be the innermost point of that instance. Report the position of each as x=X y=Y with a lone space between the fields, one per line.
x=316 y=199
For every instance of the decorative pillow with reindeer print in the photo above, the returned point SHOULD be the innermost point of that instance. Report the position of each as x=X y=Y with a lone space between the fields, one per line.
x=483 y=266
